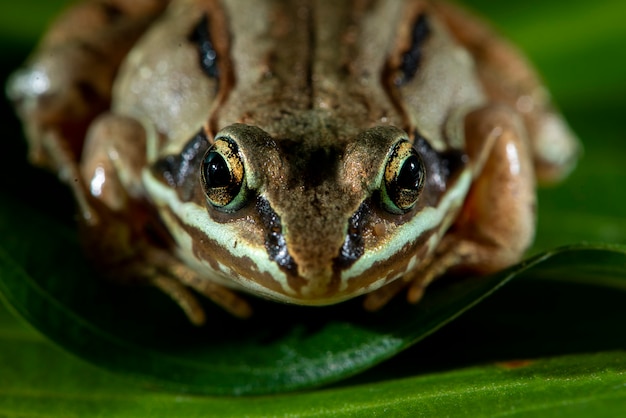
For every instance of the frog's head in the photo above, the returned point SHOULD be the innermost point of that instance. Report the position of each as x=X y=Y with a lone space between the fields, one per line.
x=312 y=184
x=312 y=221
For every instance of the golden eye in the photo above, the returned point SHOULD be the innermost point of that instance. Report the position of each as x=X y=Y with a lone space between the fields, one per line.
x=403 y=179
x=223 y=175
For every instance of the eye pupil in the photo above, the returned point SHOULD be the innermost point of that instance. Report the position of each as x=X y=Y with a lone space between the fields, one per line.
x=216 y=173
x=404 y=178
x=411 y=174
x=223 y=176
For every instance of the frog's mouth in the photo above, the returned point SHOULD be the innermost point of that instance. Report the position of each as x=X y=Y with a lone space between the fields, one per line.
x=253 y=255
x=362 y=262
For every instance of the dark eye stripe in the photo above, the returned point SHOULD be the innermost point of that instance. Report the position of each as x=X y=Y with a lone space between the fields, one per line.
x=412 y=58
x=206 y=49
x=354 y=245
x=443 y=169
x=180 y=170
x=275 y=242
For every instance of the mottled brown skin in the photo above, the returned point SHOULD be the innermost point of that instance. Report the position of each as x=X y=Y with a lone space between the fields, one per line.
x=505 y=138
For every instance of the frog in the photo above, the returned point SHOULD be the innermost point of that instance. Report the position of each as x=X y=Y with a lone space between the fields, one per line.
x=306 y=152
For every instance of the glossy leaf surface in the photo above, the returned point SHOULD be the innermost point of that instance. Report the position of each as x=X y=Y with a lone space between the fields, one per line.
x=140 y=333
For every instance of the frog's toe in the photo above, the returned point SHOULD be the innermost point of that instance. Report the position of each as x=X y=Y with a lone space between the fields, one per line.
x=556 y=149
x=182 y=296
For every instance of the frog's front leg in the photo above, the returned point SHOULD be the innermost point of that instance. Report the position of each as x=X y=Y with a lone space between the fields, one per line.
x=67 y=82
x=496 y=223
x=126 y=238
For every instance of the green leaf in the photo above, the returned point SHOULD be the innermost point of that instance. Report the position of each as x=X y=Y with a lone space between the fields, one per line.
x=431 y=379
x=141 y=333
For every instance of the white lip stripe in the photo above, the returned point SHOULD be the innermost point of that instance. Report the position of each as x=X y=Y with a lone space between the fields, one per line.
x=223 y=233
x=428 y=218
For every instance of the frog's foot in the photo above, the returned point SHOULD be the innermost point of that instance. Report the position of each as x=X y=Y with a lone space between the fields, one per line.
x=121 y=231
x=126 y=257
x=176 y=280
x=449 y=254
x=454 y=254
x=220 y=295
x=377 y=299
x=183 y=297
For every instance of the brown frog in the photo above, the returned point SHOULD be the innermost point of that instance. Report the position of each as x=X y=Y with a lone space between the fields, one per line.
x=302 y=151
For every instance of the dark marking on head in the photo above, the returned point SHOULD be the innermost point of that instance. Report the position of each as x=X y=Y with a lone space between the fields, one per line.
x=88 y=92
x=310 y=166
x=180 y=171
x=206 y=50
x=440 y=166
x=111 y=11
x=413 y=56
x=353 y=247
x=322 y=163
x=275 y=242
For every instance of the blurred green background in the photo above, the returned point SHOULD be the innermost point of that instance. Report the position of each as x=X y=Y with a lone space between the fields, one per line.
x=578 y=47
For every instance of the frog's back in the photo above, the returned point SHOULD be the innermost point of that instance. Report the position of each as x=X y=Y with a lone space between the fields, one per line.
x=282 y=67
x=346 y=56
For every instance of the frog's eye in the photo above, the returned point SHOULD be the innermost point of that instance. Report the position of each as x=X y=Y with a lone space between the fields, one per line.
x=223 y=176
x=403 y=179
